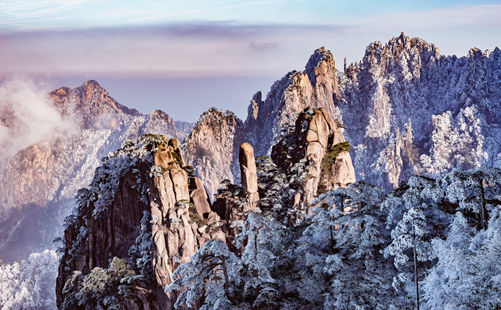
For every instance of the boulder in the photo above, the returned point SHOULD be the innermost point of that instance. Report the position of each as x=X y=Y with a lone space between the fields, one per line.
x=199 y=197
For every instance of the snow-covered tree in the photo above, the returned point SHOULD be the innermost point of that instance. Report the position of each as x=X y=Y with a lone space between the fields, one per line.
x=476 y=192
x=359 y=249
x=419 y=220
x=457 y=142
x=103 y=288
x=355 y=267
x=206 y=281
x=468 y=272
x=265 y=243
x=29 y=284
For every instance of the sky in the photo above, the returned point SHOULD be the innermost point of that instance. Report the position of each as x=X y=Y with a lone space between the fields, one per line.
x=184 y=56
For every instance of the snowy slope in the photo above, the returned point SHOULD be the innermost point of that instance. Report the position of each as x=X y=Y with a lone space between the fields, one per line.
x=409 y=110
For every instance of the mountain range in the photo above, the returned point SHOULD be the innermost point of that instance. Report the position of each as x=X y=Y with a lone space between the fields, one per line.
x=403 y=110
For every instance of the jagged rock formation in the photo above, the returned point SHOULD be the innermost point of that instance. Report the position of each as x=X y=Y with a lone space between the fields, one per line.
x=172 y=189
x=145 y=214
x=211 y=147
x=317 y=87
x=138 y=209
x=47 y=175
x=311 y=159
x=408 y=110
x=319 y=141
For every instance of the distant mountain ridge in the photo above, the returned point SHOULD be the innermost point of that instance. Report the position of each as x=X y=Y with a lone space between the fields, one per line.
x=407 y=109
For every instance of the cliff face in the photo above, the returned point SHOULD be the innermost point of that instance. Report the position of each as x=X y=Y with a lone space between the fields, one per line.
x=317 y=142
x=143 y=208
x=212 y=148
x=46 y=176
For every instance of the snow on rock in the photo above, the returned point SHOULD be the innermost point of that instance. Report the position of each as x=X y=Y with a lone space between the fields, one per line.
x=317 y=87
x=317 y=139
x=138 y=210
x=409 y=110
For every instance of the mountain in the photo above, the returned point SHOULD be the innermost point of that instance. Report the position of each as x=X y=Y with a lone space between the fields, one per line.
x=411 y=110
x=293 y=205
x=145 y=213
x=41 y=180
x=266 y=121
x=407 y=110
x=316 y=86
x=212 y=147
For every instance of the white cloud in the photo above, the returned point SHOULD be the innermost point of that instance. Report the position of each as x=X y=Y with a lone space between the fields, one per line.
x=27 y=117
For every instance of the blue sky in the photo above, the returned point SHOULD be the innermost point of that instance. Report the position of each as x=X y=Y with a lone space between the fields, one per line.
x=136 y=48
x=69 y=14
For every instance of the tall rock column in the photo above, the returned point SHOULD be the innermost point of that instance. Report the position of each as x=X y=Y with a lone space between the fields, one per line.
x=249 y=175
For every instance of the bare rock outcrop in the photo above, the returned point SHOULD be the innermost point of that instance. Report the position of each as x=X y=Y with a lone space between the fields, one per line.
x=199 y=197
x=318 y=140
x=143 y=207
x=212 y=148
x=249 y=175
x=317 y=87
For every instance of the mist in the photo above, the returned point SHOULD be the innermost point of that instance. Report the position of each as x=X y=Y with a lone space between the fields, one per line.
x=27 y=117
